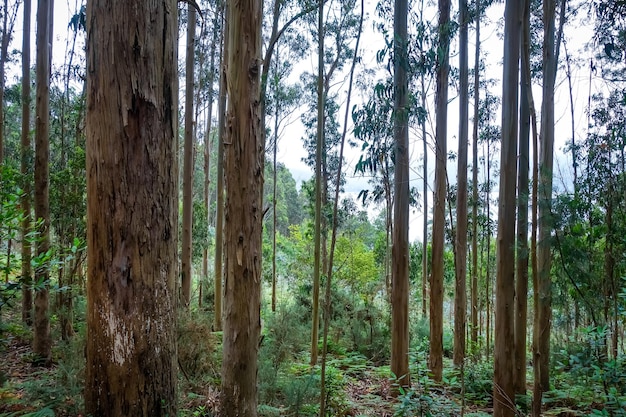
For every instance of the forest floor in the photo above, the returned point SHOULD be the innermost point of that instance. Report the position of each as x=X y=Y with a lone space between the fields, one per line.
x=359 y=388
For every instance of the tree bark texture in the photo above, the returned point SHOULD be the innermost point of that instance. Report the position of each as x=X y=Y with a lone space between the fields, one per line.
x=186 y=255
x=504 y=350
x=244 y=163
x=219 y=200
x=400 y=246
x=521 y=281
x=541 y=359
x=474 y=285
x=42 y=341
x=132 y=208
x=460 y=293
x=25 y=169
x=437 y=269
x=319 y=178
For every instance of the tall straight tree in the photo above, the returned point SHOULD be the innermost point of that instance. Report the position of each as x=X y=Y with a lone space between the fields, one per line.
x=400 y=246
x=319 y=148
x=215 y=41
x=521 y=280
x=188 y=157
x=425 y=179
x=441 y=131
x=219 y=200
x=27 y=284
x=541 y=330
x=243 y=165
x=132 y=208
x=474 y=285
x=504 y=351
x=460 y=295
x=42 y=341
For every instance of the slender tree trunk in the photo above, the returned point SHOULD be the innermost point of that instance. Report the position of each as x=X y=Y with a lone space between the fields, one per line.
x=274 y=207
x=425 y=175
x=521 y=284
x=25 y=169
x=132 y=208
x=460 y=294
x=504 y=352
x=544 y=256
x=244 y=162
x=488 y=254
x=333 y=240
x=474 y=290
x=400 y=245
x=208 y=142
x=318 y=185
x=437 y=269
x=42 y=341
x=219 y=200
x=4 y=46
x=186 y=261
x=574 y=149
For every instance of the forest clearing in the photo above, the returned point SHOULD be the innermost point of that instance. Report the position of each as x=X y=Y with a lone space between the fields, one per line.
x=164 y=253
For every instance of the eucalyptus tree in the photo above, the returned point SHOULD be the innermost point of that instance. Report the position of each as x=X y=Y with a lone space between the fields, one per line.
x=504 y=352
x=132 y=208
x=341 y=27
x=374 y=120
x=460 y=293
x=42 y=342
x=207 y=83
x=188 y=157
x=474 y=276
x=400 y=248
x=521 y=272
x=335 y=219
x=435 y=360
x=219 y=199
x=282 y=100
x=542 y=324
x=25 y=169
x=243 y=166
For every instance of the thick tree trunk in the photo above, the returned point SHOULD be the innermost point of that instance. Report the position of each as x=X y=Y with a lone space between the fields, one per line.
x=132 y=208
x=186 y=256
x=521 y=283
x=504 y=351
x=400 y=245
x=26 y=154
x=460 y=295
x=42 y=341
x=244 y=162
x=437 y=269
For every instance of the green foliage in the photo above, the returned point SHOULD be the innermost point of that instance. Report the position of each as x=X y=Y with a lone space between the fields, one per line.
x=587 y=378
x=423 y=398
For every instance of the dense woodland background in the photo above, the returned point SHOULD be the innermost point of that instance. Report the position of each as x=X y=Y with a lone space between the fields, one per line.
x=277 y=296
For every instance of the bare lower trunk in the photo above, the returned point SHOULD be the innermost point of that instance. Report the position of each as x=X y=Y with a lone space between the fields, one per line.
x=26 y=151
x=437 y=269
x=244 y=162
x=42 y=341
x=132 y=208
